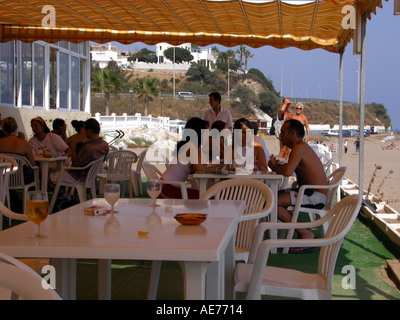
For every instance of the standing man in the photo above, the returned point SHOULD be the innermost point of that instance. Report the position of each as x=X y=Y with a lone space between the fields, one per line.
x=357 y=144
x=216 y=112
x=309 y=170
x=346 y=146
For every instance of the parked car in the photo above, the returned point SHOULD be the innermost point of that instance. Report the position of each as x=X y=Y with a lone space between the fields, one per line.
x=367 y=133
x=333 y=133
x=346 y=133
x=186 y=95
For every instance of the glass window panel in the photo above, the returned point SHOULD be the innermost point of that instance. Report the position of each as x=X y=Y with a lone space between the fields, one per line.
x=82 y=48
x=53 y=77
x=38 y=82
x=83 y=84
x=26 y=65
x=63 y=44
x=64 y=80
x=75 y=83
x=7 y=72
x=74 y=47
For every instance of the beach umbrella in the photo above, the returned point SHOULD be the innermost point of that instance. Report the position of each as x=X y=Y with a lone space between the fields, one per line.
x=387 y=138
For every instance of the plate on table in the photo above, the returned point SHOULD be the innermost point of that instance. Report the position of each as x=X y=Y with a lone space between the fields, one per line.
x=190 y=218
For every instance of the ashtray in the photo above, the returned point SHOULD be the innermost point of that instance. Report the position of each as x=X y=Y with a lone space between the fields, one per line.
x=190 y=218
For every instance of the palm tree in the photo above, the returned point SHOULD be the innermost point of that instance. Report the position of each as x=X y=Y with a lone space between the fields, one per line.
x=146 y=88
x=242 y=49
x=107 y=82
x=247 y=54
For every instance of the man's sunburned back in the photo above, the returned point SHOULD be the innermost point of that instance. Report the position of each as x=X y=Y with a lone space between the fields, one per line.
x=310 y=169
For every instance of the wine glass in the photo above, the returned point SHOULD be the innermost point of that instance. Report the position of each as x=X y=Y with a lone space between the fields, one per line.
x=154 y=219
x=153 y=189
x=37 y=209
x=111 y=194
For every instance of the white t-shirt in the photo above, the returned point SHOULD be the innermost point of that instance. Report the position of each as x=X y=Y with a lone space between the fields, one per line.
x=223 y=115
x=53 y=142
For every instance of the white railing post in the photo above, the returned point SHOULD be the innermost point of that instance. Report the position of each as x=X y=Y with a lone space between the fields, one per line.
x=114 y=121
x=125 y=120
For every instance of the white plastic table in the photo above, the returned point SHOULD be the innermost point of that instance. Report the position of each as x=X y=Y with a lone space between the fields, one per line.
x=72 y=235
x=45 y=167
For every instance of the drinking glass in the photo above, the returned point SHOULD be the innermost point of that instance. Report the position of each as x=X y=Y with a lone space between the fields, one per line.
x=37 y=209
x=111 y=194
x=153 y=189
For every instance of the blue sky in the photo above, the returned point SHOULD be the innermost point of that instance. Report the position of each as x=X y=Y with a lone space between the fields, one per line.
x=318 y=68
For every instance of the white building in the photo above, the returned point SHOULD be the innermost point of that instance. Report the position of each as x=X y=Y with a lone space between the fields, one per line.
x=104 y=54
x=44 y=79
x=204 y=56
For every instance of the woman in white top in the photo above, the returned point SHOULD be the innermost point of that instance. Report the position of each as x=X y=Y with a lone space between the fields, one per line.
x=187 y=161
x=43 y=139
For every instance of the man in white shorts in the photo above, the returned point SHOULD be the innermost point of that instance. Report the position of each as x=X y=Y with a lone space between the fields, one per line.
x=309 y=171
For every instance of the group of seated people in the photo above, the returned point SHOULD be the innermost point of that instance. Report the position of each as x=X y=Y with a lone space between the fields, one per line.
x=86 y=146
x=302 y=161
x=82 y=147
x=196 y=151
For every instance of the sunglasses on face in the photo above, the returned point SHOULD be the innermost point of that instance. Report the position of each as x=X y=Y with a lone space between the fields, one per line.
x=299 y=108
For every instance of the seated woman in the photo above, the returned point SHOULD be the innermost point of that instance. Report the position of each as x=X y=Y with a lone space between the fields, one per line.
x=76 y=141
x=187 y=161
x=241 y=151
x=12 y=143
x=43 y=139
x=60 y=128
x=216 y=149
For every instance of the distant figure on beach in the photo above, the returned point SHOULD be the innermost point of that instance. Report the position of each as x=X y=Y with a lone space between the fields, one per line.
x=346 y=146
x=303 y=119
x=283 y=115
x=357 y=144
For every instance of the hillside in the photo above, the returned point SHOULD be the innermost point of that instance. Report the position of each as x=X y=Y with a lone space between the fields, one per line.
x=252 y=88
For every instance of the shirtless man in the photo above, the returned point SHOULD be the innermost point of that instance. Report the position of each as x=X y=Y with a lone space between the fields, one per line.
x=308 y=168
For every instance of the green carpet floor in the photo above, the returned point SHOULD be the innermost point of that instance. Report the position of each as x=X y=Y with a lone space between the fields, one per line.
x=364 y=248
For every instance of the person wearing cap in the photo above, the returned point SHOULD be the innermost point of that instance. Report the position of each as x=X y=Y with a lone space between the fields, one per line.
x=43 y=139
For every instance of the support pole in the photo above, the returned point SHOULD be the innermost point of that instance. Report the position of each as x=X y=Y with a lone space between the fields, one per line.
x=362 y=104
x=341 y=108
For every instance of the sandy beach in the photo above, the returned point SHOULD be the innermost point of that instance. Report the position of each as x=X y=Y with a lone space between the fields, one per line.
x=374 y=155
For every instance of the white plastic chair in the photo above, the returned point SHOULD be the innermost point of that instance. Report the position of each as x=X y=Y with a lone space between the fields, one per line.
x=10 y=165
x=334 y=180
x=119 y=166
x=137 y=173
x=257 y=279
x=151 y=172
x=259 y=203
x=17 y=280
x=16 y=179
x=89 y=183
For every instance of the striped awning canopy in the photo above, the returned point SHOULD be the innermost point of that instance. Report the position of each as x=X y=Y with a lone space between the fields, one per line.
x=302 y=24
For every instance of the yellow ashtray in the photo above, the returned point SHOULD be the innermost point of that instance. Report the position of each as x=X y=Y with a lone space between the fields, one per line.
x=190 y=218
x=142 y=233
